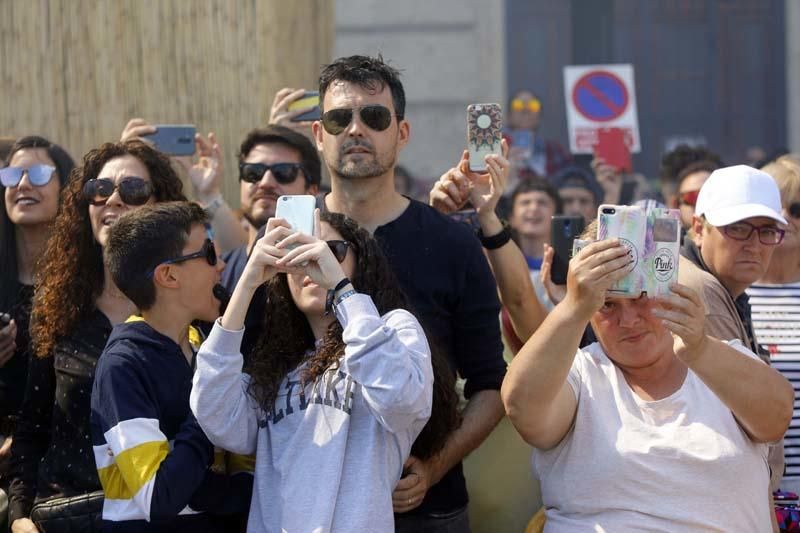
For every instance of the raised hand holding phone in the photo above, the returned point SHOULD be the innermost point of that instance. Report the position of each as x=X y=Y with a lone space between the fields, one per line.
x=312 y=256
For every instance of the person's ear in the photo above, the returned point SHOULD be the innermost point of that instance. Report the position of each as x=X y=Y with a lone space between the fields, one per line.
x=312 y=189
x=698 y=227
x=164 y=275
x=403 y=133
x=316 y=131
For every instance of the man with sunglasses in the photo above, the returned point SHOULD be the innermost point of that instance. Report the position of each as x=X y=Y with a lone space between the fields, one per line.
x=438 y=262
x=735 y=228
x=152 y=457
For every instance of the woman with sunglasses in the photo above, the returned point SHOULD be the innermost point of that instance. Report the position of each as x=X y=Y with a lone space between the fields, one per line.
x=75 y=306
x=774 y=304
x=31 y=182
x=340 y=384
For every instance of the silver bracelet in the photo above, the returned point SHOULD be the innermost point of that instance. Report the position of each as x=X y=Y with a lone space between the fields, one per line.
x=213 y=206
x=344 y=296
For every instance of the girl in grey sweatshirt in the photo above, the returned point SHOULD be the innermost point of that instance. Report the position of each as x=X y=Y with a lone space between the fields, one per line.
x=332 y=401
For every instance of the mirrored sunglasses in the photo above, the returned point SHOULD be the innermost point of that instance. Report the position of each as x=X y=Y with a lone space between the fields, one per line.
x=376 y=117
x=38 y=175
x=339 y=249
x=533 y=105
x=284 y=173
x=688 y=198
x=132 y=190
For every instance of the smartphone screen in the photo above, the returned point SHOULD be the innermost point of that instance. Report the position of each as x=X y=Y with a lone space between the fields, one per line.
x=484 y=133
x=309 y=99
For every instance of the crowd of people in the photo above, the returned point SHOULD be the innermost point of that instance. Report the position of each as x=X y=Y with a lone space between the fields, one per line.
x=176 y=365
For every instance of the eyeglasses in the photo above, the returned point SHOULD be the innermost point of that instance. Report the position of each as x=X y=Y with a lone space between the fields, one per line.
x=339 y=249
x=38 y=175
x=133 y=190
x=284 y=173
x=208 y=252
x=742 y=231
x=376 y=117
x=793 y=209
x=688 y=198
x=533 y=105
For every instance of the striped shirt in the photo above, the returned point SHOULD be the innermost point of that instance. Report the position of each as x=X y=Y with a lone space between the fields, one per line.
x=776 y=322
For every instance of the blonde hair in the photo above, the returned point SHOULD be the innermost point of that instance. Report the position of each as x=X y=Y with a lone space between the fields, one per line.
x=786 y=172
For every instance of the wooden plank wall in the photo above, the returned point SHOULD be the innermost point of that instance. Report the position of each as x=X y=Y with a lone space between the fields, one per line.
x=76 y=70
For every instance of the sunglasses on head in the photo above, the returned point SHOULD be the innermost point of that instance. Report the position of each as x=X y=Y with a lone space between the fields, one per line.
x=207 y=252
x=376 y=117
x=132 y=190
x=284 y=173
x=533 y=105
x=38 y=175
x=794 y=210
x=339 y=249
x=688 y=198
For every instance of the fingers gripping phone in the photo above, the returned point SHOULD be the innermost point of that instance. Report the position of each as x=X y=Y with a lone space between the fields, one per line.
x=484 y=133
x=173 y=139
x=563 y=230
x=309 y=98
x=298 y=211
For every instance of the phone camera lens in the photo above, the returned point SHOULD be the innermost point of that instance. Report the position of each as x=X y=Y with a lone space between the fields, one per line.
x=609 y=210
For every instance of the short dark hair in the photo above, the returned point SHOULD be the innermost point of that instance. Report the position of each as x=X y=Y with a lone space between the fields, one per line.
x=578 y=177
x=673 y=162
x=144 y=238
x=706 y=165
x=274 y=134
x=370 y=73
x=536 y=184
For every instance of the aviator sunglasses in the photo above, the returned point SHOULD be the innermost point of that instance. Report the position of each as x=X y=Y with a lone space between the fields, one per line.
x=133 y=190
x=376 y=117
x=207 y=252
x=284 y=173
x=38 y=175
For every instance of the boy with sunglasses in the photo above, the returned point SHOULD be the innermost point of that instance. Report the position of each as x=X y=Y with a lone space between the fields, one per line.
x=152 y=457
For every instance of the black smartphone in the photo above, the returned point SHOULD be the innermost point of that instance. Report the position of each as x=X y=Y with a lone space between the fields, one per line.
x=173 y=139
x=563 y=230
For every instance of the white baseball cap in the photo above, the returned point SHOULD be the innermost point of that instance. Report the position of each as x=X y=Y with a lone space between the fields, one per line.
x=735 y=193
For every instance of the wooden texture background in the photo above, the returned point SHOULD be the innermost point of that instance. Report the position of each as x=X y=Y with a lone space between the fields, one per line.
x=76 y=70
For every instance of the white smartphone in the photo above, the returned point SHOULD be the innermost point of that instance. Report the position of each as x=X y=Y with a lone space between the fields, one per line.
x=484 y=133
x=298 y=211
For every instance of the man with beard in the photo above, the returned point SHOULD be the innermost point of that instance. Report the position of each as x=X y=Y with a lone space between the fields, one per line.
x=273 y=161
x=438 y=262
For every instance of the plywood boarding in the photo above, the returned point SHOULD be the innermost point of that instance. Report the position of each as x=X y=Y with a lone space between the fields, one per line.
x=76 y=70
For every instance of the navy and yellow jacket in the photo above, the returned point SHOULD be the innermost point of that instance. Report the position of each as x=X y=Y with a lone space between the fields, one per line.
x=152 y=457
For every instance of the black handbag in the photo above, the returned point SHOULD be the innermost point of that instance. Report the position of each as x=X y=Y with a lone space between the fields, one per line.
x=71 y=514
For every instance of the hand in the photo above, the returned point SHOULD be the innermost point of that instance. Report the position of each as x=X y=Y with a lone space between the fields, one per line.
x=610 y=179
x=413 y=486
x=554 y=291
x=261 y=265
x=592 y=271
x=450 y=193
x=279 y=113
x=313 y=257
x=205 y=173
x=487 y=187
x=684 y=315
x=8 y=342
x=23 y=525
x=136 y=128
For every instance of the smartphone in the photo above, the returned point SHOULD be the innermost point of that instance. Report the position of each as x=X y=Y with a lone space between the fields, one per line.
x=563 y=231
x=484 y=133
x=629 y=225
x=613 y=149
x=309 y=99
x=173 y=139
x=298 y=211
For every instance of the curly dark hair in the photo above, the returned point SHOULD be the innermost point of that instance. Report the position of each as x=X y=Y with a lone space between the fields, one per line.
x=71 y=276
x=286 y=337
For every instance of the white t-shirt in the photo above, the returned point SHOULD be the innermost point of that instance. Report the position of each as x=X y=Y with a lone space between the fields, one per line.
x=677 y=464
x=776 y=322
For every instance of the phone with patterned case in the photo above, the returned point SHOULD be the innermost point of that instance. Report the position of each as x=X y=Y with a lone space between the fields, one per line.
x=629 y=225
x=484 y=133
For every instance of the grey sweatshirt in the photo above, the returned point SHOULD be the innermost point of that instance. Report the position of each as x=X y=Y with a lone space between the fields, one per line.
x=328 y=455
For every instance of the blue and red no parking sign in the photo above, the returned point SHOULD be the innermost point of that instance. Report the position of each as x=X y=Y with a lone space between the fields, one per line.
x=600 y=95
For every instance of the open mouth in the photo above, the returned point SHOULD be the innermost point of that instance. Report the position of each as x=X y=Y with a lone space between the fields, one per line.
x=26 y=200
x=109 y=219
